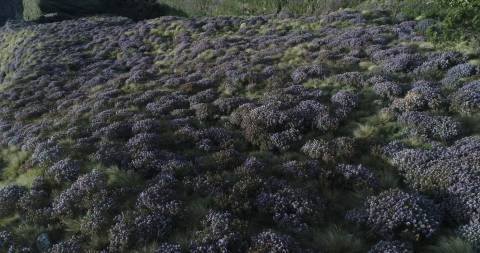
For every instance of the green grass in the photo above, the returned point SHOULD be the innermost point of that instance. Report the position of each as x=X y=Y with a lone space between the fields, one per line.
x=207 y=55
x=29 y=232
x=335 y=239
x=147 y=248
x=450 y=245
x=197 y=208
x=26 y=179
x=14 y=170
x=471 y=124
x=12 y=160
x=120 y=178
x=4 y=222
x=11 y=42
x=365 y=131
x=294 y=56
x=72 y=226
x=328 y=86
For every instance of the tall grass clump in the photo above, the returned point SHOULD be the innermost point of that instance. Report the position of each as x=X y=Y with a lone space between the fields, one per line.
x=457 y=20
x=460 y=20
x=450 y=245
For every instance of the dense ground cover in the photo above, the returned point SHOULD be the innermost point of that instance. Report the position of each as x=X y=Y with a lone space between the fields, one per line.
x=458 y=21
x=345 y=132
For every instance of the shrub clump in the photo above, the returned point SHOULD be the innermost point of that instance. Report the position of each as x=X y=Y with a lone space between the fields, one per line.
x=345 y=99
x=81 y=192
x=9 y=199
x=422 y=96
x=454 y=75
x=467 y=98
x=447 y=173
x=438 y=127
x=396 y=213
x=129 y=231
x=358 y=175
x=471 y=233
x=339 y=148
x=7 y=242
x=391 y=247
x=169 y=248
x=71 y=245
x=269 y=241
x=290 y=208
x=387 y=89
x=64 y=171
x=304 y=73
x=220 y=233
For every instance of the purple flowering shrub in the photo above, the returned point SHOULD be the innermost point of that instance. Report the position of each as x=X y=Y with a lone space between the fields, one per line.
x=397 y=213
x=235 y=134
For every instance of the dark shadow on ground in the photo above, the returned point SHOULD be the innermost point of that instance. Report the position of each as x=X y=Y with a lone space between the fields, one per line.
x=146 y=10
x=10 y=10
x=134 y=9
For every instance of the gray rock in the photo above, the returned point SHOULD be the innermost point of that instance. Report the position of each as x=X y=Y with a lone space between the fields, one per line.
x=43 y=242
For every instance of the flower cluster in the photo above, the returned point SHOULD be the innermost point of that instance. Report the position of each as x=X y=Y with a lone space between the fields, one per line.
x=345 y=99
x=437 y=62
x=394 y=211
x=358 y=175
x=290 y=208
x=339 y=148
x=220 y=233
x=70 y=245
x=7 y=242
x=83 y=189
x=471 y=233
x=391 y=247
x=467 y=98
x=438 y=127
x=387 y=89
x=64 y=171
x=169 y=248
x=270 y=241
x=454 y=75
x=304 y=73
x=422 y=96
x=9 y=198
x=447 y=173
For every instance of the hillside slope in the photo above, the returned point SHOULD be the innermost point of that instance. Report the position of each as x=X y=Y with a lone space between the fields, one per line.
x=338 y=133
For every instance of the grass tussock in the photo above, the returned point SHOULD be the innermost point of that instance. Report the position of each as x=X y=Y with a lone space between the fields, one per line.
x=450 y=245
x=337 y=240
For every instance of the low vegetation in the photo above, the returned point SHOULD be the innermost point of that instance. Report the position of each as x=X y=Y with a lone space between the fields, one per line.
x=346 y=131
